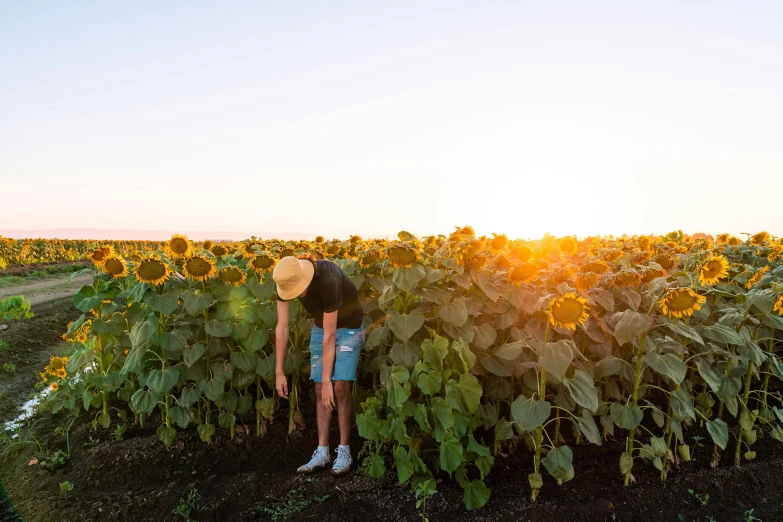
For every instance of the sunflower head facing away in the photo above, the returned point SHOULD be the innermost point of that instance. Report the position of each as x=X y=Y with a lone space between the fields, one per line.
x=568 y=311
x=208 y=244
x=779 y=305
x=231 y=275
x=626 y=278
x=218 y=250
x=468 y=250
x=151 y=269
x=178 y=246
x=568 y=245
x=756 y=277
x=586 y=280
x=760 y=238
x=649 y=273
x=522 y=273
x=498 y=242
x=402 y=256
x=116 y=267
x=595 y=266
x=369 y=257
x=561 y=274
x=680 y=302
x=521 y=253
x=199 y=267
x=714 y=269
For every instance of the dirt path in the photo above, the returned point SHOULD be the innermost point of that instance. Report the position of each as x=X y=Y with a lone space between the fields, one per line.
x=47 y=290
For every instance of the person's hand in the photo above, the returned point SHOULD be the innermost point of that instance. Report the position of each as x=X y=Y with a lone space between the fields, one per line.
x=327 y=395
x=282 y=385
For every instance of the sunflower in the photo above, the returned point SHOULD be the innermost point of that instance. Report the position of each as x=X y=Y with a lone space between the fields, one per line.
x=333 y=249
x=199 y=267
x=649 y=273
x=369 y=258
x=501 y=262
x=665 y=261
x=671 y=244
x=208 y=244
x=430 y=251
x=476 y=262
x=680 y=302
x=586 y=280
x=567 y=245
x=521 y=273
x=218 y=250
x=470 y=249
x=61 y=373
x=404 y=235
x=756 y=277
x=722 y=238
x=178 y=246
x=775 y=253
x=734 y=241
x=261 y=263
x=612 y=255
x=319 y=240
x=231 y=275
x=779 y=305
x=596 y=267
x=116 y=267
x=43 y=376
x=498 y=242
x=626 y=278
x=101 y=254
x=640 y=257
x=286 y=252
x=521 y=253
x=402 y=256
x=56 y=362
x=54 y=386
x=151 y=269
x=760 y=238
x=714 y=269
x=561 y=274
x=568 y=311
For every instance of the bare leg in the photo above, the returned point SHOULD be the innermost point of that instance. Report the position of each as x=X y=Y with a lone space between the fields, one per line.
x=342 y=391
x=324 y=417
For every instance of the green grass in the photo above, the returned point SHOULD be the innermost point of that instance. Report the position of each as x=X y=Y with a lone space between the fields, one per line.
x=44 y=273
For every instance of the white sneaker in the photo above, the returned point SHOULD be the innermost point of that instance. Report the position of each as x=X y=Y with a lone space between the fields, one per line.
x=342 y=464
x=319 y=460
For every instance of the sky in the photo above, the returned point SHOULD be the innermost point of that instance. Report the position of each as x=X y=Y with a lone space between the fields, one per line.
x=368 y=117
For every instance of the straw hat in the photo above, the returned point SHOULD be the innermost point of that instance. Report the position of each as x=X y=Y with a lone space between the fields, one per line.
x=292 y=276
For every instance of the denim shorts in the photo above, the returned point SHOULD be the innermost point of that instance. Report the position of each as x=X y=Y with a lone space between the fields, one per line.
x=347 y=347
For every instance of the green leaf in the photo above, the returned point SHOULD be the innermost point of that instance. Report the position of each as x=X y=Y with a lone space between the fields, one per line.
x=217 y=328
x=464 y=395
x=377 y=467
x=668 y=364
x=144 y=401
x=467 y=357
x=476 y=494
x=405 y=354
x=610 y=365
x=165 y=304
x=630 y=325
x=181 y=415
x=658 y=446
x=582 y=390
x=189 y=396
x=530 y=414
x=86 y=299
x=510 y=351
x=722 y=334
x=626 y=416
x=455 y=313
x=195 y=304
x=378 y=337
x=403 y=463
x=535 y=480
x=192 y=354
x=400 y=386
x=166 y=434
x=556 y=358
x=430 y=381
x=435 y=351
x=559 y=461
x=442 y=417
x=162 y=381
x=588 y=427
x=682 y=405
x=719 y=432
x=484 y=336
x=450 y=453
x=682 y=329
x=405 y=325
x=226 y=419
x=104 y=420
x=205 y=431
x=626 y=463
x=408 y=279
x=763 y=301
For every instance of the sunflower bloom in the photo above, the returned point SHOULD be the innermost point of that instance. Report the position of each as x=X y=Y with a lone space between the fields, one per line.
x=586 y=280
x=501 y=262
x=760 y=238
x=567 y=245
x=497 y=242
x=178 y=246
x=116 y=267
x=369 y=258
x=596 y=267
x=734 y=241
x=261 y=263
x=231 y=275
x=208 y=244
x=756 y=277
x=54 y=386
x=219 y=250
x=665 y=261
x=560 y=275
x=626 y=278
x=568 y=311
x=713 y=270
x=101 y=254
x=521 y=253
x=402 y=256
x=779 y=305
x=681 y=302
x=199 y=267
x=521 y=273
x=61 y=373
x=151 y=269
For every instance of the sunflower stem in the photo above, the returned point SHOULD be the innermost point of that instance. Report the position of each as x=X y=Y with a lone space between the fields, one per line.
x=637 y=376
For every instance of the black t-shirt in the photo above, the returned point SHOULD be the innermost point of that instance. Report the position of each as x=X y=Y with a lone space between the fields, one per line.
x=331 y=289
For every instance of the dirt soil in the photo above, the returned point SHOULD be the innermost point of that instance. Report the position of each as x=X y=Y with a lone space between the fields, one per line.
x=46 y=290
x=138 y=479
x=23 y=270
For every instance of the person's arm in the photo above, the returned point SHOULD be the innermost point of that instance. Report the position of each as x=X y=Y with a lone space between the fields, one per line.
x=330 y=335
x=281 y=344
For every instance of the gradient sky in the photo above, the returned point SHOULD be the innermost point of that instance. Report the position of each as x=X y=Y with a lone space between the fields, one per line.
x=572 y=117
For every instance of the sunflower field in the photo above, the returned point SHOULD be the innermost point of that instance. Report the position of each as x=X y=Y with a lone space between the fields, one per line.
x=476 y=346
x=14 y=252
